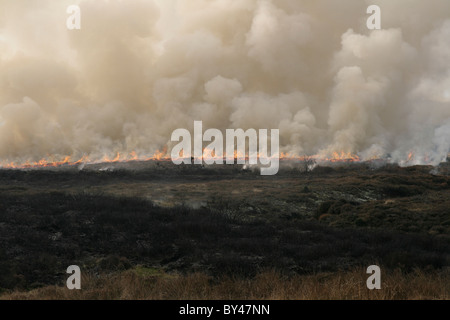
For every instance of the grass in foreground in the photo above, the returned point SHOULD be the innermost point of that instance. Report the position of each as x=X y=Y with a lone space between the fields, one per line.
x=138 y=285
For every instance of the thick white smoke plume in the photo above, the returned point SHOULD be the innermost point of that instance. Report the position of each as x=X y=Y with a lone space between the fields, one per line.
x=139 y=69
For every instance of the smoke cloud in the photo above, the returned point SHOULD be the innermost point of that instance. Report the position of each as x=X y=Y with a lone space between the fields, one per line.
x=139 y=69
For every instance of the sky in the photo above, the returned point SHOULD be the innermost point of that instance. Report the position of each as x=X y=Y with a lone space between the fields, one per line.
x=139 y=69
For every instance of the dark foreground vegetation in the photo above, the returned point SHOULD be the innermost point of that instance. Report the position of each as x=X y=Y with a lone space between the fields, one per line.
x=299 y=224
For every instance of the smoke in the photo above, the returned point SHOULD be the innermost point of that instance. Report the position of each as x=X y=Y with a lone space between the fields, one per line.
x=139 y=69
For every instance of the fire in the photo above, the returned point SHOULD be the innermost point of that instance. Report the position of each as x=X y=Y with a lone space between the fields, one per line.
x=160 y=155
x=343 y=156
x=134 y=156
x=70 y=161
x=410 y=156
x=334 y=157
x=163 y=155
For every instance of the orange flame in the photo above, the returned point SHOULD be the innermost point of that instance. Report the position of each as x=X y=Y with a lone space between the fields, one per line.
x=163 y=155
x=410 y=156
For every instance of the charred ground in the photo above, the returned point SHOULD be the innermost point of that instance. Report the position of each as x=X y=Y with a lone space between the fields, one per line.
x=220 y=220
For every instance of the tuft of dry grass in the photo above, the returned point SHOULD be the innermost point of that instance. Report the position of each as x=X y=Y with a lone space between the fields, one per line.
x=270 y=285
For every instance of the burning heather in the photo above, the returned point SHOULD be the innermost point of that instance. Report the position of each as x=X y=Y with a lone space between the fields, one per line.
x=115 y=90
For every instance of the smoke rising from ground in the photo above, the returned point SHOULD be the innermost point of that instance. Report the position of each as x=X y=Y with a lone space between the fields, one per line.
x=139 y=69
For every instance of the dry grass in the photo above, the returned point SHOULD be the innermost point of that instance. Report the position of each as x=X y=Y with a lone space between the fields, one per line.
x=270 y=285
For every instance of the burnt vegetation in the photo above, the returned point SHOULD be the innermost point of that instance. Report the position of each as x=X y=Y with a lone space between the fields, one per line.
x=329 y=220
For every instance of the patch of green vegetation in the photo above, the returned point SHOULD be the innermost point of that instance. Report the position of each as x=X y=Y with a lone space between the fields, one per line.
x=146 y=272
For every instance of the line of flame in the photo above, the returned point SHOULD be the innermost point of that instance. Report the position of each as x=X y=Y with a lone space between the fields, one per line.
x=163 y=155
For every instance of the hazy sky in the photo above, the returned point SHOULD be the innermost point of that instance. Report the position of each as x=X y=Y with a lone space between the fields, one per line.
x=139 y=69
